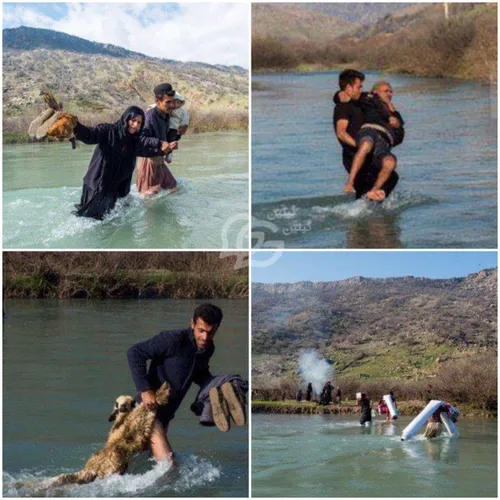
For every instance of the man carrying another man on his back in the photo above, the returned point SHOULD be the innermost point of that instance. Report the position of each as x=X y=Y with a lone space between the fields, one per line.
x=376 y=177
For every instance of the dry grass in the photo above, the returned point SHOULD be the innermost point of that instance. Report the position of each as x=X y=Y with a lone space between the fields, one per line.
x=471 y=380
x=122 y=275
x=218 y=119
x=464 y=46
x=15 y=128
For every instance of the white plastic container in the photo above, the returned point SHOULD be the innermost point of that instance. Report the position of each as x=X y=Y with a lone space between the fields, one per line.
x=413 y=427
x=450 y=427
x=390 y=405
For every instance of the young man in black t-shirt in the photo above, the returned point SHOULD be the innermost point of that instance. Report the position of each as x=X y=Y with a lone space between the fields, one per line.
x=348 y=118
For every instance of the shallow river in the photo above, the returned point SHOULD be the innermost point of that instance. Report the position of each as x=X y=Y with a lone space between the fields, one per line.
x=332 y=456
x=42 y=182
x=447 y=194
x=64 y=365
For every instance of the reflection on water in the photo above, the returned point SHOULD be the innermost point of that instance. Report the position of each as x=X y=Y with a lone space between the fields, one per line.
x=65 y=364
x=447 y=194
x=42 y=183
x=333 y=456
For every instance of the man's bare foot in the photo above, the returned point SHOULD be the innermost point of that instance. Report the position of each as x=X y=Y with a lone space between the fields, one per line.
x=152 y=191
x=376 y=195
x=349 y=188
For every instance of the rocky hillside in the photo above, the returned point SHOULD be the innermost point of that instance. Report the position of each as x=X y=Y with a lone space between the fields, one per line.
x=378 y=328
x=415 y=38
x=297 y=21
x=109 y=80
x=320 y=21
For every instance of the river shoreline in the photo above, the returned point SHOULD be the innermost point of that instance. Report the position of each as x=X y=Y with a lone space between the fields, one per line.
x=154 y=284
x=320 y=68
x=406 y=408
x=22 y=138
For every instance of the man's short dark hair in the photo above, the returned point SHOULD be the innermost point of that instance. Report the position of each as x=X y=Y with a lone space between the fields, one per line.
x=209 y=314
x=164 y=89
x=348 y=77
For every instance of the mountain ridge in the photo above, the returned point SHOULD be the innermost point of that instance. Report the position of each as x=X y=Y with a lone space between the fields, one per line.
x=372 y=326
x=98 y=88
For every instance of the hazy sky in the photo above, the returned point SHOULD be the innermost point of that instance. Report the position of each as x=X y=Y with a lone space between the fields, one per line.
x=333 y=266
x=215 y=33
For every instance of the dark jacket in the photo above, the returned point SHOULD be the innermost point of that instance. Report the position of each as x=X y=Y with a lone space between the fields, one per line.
x=109 y=175
x=156 y=124
x=174 y=358
x=375 y=110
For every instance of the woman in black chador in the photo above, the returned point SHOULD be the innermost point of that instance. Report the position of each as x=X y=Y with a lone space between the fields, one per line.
x=110 y=171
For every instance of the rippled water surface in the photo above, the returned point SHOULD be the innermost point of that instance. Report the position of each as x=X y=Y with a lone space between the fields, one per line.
x=447 y=194
x=64 y=366
x=332 y=456
x=42 y=183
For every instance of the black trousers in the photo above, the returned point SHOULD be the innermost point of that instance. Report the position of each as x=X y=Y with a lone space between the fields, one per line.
x=368 y=174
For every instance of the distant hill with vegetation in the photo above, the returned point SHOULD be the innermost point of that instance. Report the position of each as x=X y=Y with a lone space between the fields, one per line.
x=410 y=38
x=394 y=328
x=100 y=87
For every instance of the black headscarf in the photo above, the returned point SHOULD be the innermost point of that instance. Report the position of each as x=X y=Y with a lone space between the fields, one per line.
x=122 y=124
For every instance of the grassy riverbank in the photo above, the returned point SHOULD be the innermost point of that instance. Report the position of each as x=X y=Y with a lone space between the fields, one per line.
x=463 y=46
x=121 y=275
x=15 y=129
x=406 y=408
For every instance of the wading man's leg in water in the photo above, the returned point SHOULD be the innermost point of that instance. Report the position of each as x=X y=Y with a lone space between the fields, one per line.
x=389 y=164
x=160 y=446
x=359 y=158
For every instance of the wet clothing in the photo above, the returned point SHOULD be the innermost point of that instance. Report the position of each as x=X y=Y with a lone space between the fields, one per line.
x=381 y=146
x=202 y=407
x=367 y=176
x=110 y=171
x=433 y=430
x=174 y=358
x=366 y=411
x=153 y=172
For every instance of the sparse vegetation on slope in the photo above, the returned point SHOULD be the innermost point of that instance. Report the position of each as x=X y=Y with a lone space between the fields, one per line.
x=97 y=89
x=418 y=41
x=395 y=329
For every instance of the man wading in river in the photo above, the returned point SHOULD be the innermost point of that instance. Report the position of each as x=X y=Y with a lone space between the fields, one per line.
x=152 y=174
x=348 y=118
x=179 y=357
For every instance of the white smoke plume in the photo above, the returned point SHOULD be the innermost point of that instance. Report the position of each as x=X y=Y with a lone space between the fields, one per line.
x=315 y=369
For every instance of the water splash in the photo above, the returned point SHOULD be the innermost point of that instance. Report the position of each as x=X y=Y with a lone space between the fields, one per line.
x=160 y=479
x=315 y=369
x=364 y=208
